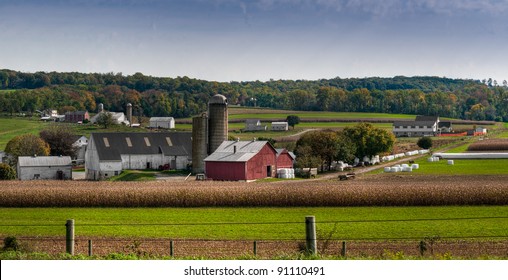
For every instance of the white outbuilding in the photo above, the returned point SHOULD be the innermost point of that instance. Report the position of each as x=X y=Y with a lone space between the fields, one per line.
x=280 y=126
x=162 y=122
x=44 y=167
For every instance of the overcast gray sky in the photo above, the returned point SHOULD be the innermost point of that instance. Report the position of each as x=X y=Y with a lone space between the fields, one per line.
x=241 y=40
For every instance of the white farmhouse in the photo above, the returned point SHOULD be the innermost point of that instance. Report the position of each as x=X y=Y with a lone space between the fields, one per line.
x=162 y=122
x=45 y=167
x=110 y=153
x=80 y=143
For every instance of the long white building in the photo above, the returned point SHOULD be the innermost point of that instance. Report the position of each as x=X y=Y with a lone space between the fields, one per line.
x=110 y=153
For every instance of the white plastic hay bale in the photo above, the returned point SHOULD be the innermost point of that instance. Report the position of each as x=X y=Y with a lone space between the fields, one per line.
x=397 y=165
x=415 y=166
x=436 y=158
x=388 y=169
x=404 y=165
x=395 y=169
x=431 y=159
x=450 y=162
x=407 y=169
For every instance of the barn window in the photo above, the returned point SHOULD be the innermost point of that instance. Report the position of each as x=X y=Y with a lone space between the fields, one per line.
x=106 y=142
x=128 y=140
x=147 y=141
x=169 y=141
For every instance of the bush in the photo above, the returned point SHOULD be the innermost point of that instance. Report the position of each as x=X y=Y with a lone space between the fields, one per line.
x=11 y=244
x=7 y=172
x=424 y=142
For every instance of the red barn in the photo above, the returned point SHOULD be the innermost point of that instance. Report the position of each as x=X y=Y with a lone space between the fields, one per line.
x=242 y=161
x=77 y=116
x=285 y=159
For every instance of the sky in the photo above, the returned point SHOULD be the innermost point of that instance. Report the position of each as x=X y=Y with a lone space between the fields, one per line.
x=246 y=40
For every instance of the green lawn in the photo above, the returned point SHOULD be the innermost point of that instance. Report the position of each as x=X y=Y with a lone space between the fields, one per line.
x=484 y=222
x=135 y=175
x=461 y=167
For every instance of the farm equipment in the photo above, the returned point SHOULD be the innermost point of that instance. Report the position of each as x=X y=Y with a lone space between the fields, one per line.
x=347 y=176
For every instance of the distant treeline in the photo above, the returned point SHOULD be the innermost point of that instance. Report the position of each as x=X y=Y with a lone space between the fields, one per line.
x=183 y=97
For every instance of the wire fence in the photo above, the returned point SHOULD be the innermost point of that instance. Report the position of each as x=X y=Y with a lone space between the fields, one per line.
x=328 y=245
x=267 y=249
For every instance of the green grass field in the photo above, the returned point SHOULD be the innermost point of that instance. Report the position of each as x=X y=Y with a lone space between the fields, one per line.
x=353 y=223
x=12 y=127
x=460 y=167
x=267 y=114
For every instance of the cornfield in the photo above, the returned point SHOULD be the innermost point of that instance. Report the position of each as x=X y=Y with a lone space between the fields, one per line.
x=383 y=190
x=489 y=145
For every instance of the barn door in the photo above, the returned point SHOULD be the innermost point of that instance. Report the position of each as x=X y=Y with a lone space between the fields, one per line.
x=269 y=171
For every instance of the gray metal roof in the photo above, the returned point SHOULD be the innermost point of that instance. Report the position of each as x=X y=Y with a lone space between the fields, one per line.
x=245 y=150
x=110 y=146
x=280 y=150
x=414 y=123
x=44 y=161
x=161 y=119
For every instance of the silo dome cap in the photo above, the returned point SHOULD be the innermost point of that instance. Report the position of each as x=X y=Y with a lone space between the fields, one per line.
x=218 y=99
x=129 y=105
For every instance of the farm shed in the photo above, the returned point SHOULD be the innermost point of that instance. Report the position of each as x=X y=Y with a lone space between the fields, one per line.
x=254 y=125
x=77 y=116
x=110 y=153
x=242 y=161
x=162 y=122
x=285 y=159
x=280 y=126
x=45 y=167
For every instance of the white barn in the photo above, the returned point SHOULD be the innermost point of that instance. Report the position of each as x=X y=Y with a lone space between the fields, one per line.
x=280 y=126
x=162 y=122
x=45 y=167
x=110 y=153
x=118 y=118
x=421 y=126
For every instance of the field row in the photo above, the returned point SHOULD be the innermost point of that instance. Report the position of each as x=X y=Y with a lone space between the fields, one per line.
x=379 y=190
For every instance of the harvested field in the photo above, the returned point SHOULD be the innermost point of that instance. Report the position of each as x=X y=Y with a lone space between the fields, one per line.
x=380 y=190
x=489 y=145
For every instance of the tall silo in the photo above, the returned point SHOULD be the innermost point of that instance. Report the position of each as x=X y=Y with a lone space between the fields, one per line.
x=217 y=122
x=199 y=143
x=100 y=108
x=129 y=113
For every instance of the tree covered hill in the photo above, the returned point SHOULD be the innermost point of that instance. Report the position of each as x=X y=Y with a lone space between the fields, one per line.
x=184 y=97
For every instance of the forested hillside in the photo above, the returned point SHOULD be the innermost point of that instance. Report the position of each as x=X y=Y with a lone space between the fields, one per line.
x=184 y=97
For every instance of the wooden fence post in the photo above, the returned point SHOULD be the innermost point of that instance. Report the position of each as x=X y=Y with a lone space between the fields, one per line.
x=343 y=251
x=171 y=248
x=90 y=252
x=69 y=237
x=310 y=235
x=255 y=248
